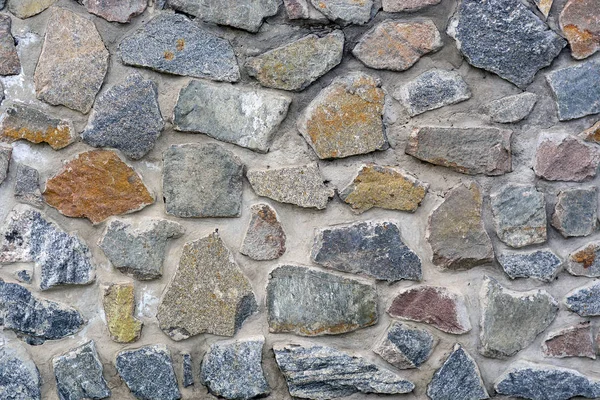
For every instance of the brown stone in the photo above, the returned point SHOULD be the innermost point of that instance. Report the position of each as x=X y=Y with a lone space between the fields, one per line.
x=566 y=158
x=9 y=59
x=407 y=5
x=580 y=23
x=116 y=10
x=574 y=341
x=119 y=306
x=592 y=134
x=28 y=8
x=265 y=238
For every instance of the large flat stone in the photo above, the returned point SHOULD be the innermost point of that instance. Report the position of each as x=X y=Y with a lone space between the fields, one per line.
x=576 y=212
x=511 y=109
x=585 y=261
x=542 y=265
x=562 y=157
x=18 y=373
x=264 y=238
x=580 y=23
x=27 y=186
x=116 y=10
x=576 y=89
x=405 y=346
x=573 y=341
x=345 y=11
x=119 y=306
x=585 y=300
x=9 y=59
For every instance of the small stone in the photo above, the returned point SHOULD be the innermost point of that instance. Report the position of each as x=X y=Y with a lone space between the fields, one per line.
x=574 y=341
x=296 y=65
x=576 y=90
x=345 y=11
x=5 y=154
x=544 y=6
x=126 y=117
x=457 y=378
x=542 y=265
x=585 y=261
x=28 y=8
x=300 y=185
x=592 y=134
x=79 y=374
x=18 y=374
x=374 y=249
x=251 y=120
x=321 y=372
x=265 y=238
x=24 y=276
x=173 y=44
x=407 y=5
x=585 y=300
x=188 y=374
x=307 y=302
x=511 y=109
x=406 y=347
x=139 y=249
x=96 y=185
x=27 y=186
x=9 y=59
x=148 y=373
x=73 y=62
x=202 y=181
x=580 y=23
x=116 y=10
x=511 y=320
x=456 y=232
x=232 y=369
x=119 y=307
x=562 y=157
x=575 y=213
x=303 y=9
x=218 y=304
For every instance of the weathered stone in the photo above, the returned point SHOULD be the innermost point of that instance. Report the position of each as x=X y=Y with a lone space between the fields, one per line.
x=542 y=265
x=73 y=62
x=251 y=120
x=28 y=8
x=574 y=341
x=188 y=374
x=511 y=320
x=580 y=23
x=346 y=118
x=576 y=90
x=96 y=185
x=139 y=249
x=19 y=376
x=202 y=181
x=312 y=303
x=407 y=5
x=457 y=378
x=585 y=261
x=303 y=9
x=406 y=347
x=148 y=373
x=27 y=186
x=585 y=300
x=320 y=372
x=9 y=59
x=265 y=238
x=562 y=157
x=116 y=10
x=575 y=213
x=5 y=154
x=126 y=117
x=511 y=109
x=374 y=249
x=592 y=134
x=544 y=6
x=78 y=374
x=466 y=150
x=119 y=307
x=504 y=37
x=300 y=185
x=345 y=11
x=24 y=276
x=219 y=303
x=232 y=369
x=296 y=65
x=173 y=44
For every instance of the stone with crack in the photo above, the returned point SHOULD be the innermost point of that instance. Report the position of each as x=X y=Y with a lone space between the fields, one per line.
x=576 y=89
x=585 y=261
x=119 y=307
x=542 y=264
x=562 y=157
x=116 y=10
x=585 y=300
x=405 y=346
x=9 y=58
x=27 y=186
x=511 y=109
x=576 y=212
x=19 y=376
x=580 y=23
x=573 y=341
x=264 y=238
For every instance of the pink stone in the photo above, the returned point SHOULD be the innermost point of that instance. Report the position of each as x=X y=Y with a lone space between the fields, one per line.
x=566 y=158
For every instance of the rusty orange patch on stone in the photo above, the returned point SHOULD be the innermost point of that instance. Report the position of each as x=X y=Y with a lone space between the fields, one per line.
x=169 y=55
x=586 y=256
x=583 y=42
x=180 y=44
x=56 y=137
x=592 y=134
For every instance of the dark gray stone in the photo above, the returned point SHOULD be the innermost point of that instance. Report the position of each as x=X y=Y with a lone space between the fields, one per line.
x=19 y=376
x=511 y=109
x=542 y=265
x=406 y=347
x=585 y=300
x=24 y=276
x=585 y=261
x=5 y=153
x=188 y=370
x=27 y=186
x=575 y=213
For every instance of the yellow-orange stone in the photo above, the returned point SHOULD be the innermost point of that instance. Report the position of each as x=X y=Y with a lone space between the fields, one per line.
x=591 y=134
x=119 y=306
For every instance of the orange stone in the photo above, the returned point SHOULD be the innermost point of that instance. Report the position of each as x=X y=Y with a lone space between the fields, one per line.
x=580 y=23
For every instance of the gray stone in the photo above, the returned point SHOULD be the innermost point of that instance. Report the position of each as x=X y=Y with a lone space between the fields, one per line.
x=575 y=213
x=173 y=44
x=511 y=109
x=5 y=153
x=585 y=300
x=374 y=249
x=321 y=372
x=407 y=5
x=405 y=346
x=265 y=238
x=19 y=376
x=345 y=11
x=28 y=8
x=24 y=276
x=562 y=157
x=247 y=117
x=116 y=10
x=9 y=59
x=303 y=9
x=27 y=186
x=188 y=371
x=585 y=261
x=232 y=369
x=504 y=37
x=126 y=117
x=542 y=265
x=307 y=302
x=573 y=341
x=202 y=181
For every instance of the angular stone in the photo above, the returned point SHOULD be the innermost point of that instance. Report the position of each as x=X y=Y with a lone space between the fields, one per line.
x=345 y=11
x=542 y=265
x=321 y=372
x=73 y=62
x=232 y=369
x=300 y=185
x=126 y=117
x=575 y=213
x=504 y=37
x=406 y=347
x=574 y=341
x=585 y=261
x=78 y=374
x=544 y=6
x=374 y=249
x=27 y=186
x=456 y=232
x=407 y=5
x=511 y=109
x=148 y=373
x=592 y=134
x=139 y=249
x=580 y=23
x=119 y=308
x=116 y=10
x=510 y=320
x=265 y=238
x=96 y=185
x=218 y=304
x=303 y=9
x=9 y=59
x=307 y=302
x=19 y=375
x=202 y=181
x=576 y=90
x=562 y=157
x=247 y=117
x=585 y=300
x=173 y=44
x=28 y=8
x=188 y=374
x=5 y=154
x=296 y=65
x=24 y=276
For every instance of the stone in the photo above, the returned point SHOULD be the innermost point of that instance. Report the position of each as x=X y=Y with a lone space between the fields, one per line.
x=301 y=185
x=296 y=65
x=96 y=185
x=511 y=320
x=580 y=23
x=584 y=300
x=173 y=44
x=307 y=302
x=585 y=261
x=407 y=5
x=28 y=8
x=119 y=308
x=519 y=213
x=346 y=118
x=218 y=304
x=592 y=134
x=561 y=157
x=457 y=378
x=139 y=249
x=433 y=305
x=576 y=89
x=431 y=90
x=504 y=37
x=544 y=6
x=511 y=109
x=19 y=376
x=9 y=59
x=303 y=9
x=397 y=45
x=251 y=121
x=469 y=151
x=27 y=186
x=345 y=12
x=542 y=265
x=264 y=238
x=73 y=62
x=116 y=10
x=374 y=249
x=232 y=369
x=126 y=117
x=148 y=373
x=322 y=372
x=190 y=169
x=24 y=276
x=78 y=374
x=405 y=346
x=574 y=341
x=5 y=154
x=188 y=374
x=575 y=213
x=456 y=231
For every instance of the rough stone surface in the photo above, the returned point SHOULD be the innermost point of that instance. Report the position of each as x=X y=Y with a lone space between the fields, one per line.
x=407 y=5
x=576 y=90
x=303 y=9
x=345 y=11
x=119 y=307
x=511 y=109
x=585 y=261
x=592 y=134
x=116 y=10
x=27 y=186
x=265 y=238
x=19 y=376
x=5 y=154
x=574 y=341
x=9 y=59
x=542 y=265
x=188 y=371
x=28 y=8
x=585 y=300
x=562 y=157
x=580 y=23
x=405 y=346
x=575 y=213
x=544 y=6
x=24 y=276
